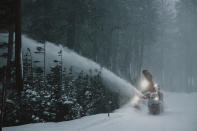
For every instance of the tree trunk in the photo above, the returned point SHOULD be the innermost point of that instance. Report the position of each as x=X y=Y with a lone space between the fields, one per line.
x=19 y=81
x=72 y=27
x=9 y=58
x=3 y=100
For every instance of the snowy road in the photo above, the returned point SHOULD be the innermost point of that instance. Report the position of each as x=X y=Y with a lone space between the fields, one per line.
x=180 y=115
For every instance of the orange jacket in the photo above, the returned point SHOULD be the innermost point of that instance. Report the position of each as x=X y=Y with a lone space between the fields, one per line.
x=148 y=76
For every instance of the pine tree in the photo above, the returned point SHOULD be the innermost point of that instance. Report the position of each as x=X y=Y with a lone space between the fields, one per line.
x=27 y=67
x=39 y=77
x=98 y=94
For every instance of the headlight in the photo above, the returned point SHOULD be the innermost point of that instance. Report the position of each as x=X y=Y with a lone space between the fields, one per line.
x=156 y=98
x=156 y=85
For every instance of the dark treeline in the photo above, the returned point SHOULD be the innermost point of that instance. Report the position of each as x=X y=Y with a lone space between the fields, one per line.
x=110 y=32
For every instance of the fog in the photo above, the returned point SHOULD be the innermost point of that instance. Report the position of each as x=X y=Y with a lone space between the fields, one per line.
x=172 y=58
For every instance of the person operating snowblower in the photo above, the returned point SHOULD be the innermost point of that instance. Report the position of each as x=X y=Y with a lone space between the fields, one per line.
x=153 y=94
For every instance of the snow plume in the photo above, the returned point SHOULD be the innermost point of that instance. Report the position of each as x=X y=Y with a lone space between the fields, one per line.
x=117 y=84
x=71 y=58
x=143 y=84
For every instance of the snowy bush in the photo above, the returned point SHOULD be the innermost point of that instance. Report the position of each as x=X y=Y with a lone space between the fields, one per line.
x=58 y=98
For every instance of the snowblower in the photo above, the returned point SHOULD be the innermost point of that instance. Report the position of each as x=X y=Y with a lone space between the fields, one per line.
x=155 y=104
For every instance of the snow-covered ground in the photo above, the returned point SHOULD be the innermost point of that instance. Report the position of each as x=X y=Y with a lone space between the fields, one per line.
x=180 y=115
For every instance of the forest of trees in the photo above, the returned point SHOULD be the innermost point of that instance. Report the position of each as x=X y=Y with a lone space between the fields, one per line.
x=122 y=35
x=172 y=58
x=110 y=32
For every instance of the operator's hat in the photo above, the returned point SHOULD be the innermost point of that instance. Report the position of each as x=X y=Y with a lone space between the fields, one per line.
x=147 y=74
